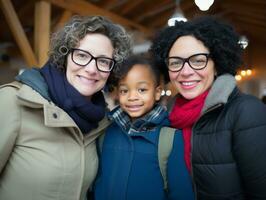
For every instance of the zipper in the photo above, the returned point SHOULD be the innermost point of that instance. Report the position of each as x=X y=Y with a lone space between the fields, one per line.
x=192 y=137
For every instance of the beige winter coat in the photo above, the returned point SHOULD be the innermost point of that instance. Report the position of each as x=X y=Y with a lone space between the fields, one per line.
x=43 y=154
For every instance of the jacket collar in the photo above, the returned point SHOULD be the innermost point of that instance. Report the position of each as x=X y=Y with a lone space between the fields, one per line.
x=34 y=79
x=34 y=93
x=31 y=98
x=55 y=116
x=220 y=91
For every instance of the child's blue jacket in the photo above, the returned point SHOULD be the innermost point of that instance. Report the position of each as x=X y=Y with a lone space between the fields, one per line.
x=129 y=167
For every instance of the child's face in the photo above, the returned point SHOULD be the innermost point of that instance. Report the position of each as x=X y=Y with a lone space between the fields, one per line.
x=137 y=91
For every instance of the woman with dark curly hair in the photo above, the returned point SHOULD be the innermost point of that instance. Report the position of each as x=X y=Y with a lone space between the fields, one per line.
x=51 y=117
x=224 y=130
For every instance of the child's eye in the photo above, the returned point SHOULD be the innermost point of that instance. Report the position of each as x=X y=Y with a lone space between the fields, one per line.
x=141 y=90
x=122 y=91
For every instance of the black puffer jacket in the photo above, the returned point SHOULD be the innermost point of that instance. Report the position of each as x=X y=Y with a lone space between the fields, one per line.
x=229 y=145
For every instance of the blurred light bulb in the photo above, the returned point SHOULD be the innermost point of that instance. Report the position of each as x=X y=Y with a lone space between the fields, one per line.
x=238 y=77
x=243 y=73
x=168 y=93
x=249 y=72
x=204 y=5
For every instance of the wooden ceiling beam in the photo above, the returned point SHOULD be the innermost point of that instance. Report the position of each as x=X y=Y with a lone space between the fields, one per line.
x=42 y=31
x=18 y=32
x=160 y=22
x=156 y=11
x=63 y=19
x=244 y=8
x=109 y=4
x=116 y=5
x=106 y=4
x=261 y=2
x=187 y=5
x=251 y=20
x=247 y=25
x=250 y=15
x=257 y=32
x=130 y=6
x=84 y=8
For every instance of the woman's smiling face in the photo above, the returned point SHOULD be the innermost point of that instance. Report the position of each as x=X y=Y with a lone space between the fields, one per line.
x=189 y=82
x=88 y=79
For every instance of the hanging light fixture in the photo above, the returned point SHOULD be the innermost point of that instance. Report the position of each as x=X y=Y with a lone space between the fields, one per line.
x=204 y=5
x=243 y=42
x=177 y=16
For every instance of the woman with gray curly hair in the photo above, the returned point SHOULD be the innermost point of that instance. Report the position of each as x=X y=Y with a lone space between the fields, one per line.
x=53 y=115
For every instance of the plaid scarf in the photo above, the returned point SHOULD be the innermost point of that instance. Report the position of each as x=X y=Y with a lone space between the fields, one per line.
x=150 y=120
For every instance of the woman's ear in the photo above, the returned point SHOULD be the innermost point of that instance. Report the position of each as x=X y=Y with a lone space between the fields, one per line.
x=158 y=92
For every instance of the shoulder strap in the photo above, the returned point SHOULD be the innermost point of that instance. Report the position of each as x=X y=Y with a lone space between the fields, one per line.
x=165 y=145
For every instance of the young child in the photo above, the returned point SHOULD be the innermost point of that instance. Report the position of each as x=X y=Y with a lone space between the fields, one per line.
x=129 y=168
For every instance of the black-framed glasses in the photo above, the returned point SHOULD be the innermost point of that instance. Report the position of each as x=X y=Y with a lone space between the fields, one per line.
x=83 y=58
x=197 y=62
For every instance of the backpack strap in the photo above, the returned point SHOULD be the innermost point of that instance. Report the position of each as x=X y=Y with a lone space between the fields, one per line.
x=165 y=145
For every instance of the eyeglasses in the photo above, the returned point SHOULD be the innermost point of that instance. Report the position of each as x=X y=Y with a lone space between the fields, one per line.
x=83 y=58
x=196 y=62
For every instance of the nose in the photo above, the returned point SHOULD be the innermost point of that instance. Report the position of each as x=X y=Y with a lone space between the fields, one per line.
x=132 y=96
x=186 y=70
x=91 y=66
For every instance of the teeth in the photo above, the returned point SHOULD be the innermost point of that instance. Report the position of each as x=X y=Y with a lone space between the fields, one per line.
x=85 y=80
x=187 y=83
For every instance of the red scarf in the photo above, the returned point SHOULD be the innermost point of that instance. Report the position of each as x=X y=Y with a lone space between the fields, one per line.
x=183 y=116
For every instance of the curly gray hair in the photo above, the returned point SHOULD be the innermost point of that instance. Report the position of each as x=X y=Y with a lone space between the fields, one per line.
x=78 y=27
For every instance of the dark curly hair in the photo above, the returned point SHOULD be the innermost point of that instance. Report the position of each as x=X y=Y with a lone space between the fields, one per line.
x=128 y=64
x=219 y=37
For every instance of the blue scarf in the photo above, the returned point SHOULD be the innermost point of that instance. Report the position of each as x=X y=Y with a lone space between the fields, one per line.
x=86 y=113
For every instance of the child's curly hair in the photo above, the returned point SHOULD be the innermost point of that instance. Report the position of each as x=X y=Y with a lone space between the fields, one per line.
x=219 y=37
x=133 y=60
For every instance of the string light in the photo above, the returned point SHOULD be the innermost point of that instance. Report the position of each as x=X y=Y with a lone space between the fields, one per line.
x=238 y=77
x=168 y=93
x=249 y=72
x=243 y=72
